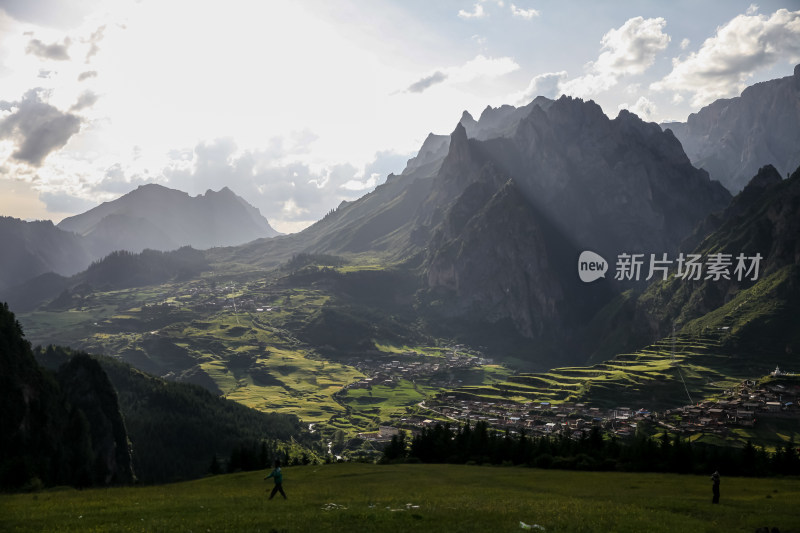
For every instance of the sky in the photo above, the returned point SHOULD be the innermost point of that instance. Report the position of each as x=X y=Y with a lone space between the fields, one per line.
x=298 y=105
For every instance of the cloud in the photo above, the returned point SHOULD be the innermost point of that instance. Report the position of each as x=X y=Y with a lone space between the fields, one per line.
x=685 y=43
x=57 y=52
x=526 y=14
x=476 y=13
x=643 y=107
x=53 y=13
x=36 y=128
x=743 y=46
x=478 y=67
x=628 y=50
x=482 y=66
x=752 y=9
x=427 y=82
x=86 y=99
x=292 y=195
x=65 y=202
x=546 y=85
x=632 y=48
x=361 y=185
x=94 y=41
x=86 y=75
x=588 y=85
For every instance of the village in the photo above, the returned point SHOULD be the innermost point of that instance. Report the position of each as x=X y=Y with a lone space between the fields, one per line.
x=439 y=371
x=743 y=407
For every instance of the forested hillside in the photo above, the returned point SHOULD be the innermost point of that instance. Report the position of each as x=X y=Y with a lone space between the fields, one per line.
x=177 y=429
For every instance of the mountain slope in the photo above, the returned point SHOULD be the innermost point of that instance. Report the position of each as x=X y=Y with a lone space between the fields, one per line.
x=732 y=138
x=526 y=205
x=176 y=428
x=57 y=430
x=159 y=218
x=758 y=313
x=33 y=248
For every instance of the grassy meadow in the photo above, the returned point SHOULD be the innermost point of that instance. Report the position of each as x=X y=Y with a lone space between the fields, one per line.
x=386 y=498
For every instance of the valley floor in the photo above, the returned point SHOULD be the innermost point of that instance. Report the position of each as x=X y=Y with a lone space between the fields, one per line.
x=386 y=498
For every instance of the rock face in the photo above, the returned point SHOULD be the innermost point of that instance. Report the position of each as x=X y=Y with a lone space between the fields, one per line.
x=732 y=138
x=164 y=219
x=524 y=206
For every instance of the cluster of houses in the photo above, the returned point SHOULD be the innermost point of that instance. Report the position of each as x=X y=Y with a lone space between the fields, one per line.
x=742 y=407
x=537 y=419
x=411 y=365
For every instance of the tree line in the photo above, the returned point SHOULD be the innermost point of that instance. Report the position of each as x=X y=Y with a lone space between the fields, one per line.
x=479 y=444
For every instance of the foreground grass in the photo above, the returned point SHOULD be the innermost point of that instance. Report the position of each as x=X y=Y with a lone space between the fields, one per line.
x=448 y=498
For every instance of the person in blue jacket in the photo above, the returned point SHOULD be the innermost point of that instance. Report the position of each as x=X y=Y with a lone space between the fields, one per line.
x=277 y=476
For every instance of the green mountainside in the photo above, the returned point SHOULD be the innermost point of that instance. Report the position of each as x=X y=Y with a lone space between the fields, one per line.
x=62 y=428
x=176 y=429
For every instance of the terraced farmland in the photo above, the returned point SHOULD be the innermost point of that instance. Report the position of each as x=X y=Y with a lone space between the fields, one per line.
x=676 y=370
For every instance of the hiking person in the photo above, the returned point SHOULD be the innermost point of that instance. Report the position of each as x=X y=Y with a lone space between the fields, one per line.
x=278 y=478
x=715 y=486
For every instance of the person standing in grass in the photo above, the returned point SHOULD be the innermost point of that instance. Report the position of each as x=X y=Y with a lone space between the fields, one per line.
x=277 y=476
x=715 y=486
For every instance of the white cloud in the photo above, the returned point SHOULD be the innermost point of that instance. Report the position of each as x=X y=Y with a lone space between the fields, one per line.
x=361 y=185
x=628 y=50
x=476 y=13
x=643 y=107
x=482 y=66
x=588 y=85
x=633 y=88
x=526 y=14
x=740 y=48
x=547 y=85
x=632 y=48
x=685 y=43
x=752 y=9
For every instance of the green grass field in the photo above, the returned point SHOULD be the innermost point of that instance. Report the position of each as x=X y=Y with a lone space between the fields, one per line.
x=442 y=498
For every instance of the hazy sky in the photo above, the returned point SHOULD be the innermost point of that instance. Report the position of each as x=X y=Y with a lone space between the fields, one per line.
x=298 y=105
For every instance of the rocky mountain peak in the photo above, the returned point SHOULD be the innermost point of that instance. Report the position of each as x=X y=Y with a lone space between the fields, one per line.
x=767 y=175
x=732 y=138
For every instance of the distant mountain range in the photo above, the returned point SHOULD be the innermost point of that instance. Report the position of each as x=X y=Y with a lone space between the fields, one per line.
x=150 y=217
x=732 y=138
x=155 y=217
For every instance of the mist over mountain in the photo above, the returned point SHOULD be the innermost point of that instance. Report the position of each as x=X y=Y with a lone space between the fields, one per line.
x=39 y=247
x=151 y=217
x=732 y=138
x=159 y=218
